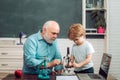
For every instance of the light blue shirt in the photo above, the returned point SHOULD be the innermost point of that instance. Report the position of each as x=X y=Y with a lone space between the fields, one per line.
x=35 y=48
x=80 y=52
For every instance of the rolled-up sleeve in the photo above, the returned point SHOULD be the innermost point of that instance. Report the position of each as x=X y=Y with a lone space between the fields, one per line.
x=58 y=56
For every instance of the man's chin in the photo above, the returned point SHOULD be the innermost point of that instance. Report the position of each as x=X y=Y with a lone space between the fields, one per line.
x=50 y=41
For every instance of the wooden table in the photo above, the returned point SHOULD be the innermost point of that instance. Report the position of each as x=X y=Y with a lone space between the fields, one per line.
x=10 y=76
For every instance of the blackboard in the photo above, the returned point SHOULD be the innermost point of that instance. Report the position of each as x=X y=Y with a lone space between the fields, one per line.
x=29 y=15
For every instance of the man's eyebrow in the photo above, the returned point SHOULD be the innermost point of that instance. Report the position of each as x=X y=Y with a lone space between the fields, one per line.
x=54 y=33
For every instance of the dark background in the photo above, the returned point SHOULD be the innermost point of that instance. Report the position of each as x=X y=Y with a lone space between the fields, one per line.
x=29 y=15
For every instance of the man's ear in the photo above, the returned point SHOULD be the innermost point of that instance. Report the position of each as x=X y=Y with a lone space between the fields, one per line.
x=44 y=30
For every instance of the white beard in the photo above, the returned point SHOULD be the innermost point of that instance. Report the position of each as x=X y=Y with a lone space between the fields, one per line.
x=47 y=38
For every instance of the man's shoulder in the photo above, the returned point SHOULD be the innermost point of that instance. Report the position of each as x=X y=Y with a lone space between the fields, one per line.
x=33 y=36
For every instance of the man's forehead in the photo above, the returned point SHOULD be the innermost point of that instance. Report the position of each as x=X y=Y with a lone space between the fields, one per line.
x=55 y=32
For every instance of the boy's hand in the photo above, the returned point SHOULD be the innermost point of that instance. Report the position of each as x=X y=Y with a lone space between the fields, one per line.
x=75 y=65
x=69 y=65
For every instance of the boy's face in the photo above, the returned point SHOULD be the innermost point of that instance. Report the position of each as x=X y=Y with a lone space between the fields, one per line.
x=79 y=40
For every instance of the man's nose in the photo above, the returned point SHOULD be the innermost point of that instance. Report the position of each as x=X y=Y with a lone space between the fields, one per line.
x=55 y=35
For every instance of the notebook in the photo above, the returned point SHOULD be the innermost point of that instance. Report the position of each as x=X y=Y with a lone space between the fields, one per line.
x=67 y=77
x=103 y=71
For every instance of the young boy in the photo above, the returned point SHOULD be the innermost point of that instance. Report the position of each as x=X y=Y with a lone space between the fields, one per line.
x=82 y=50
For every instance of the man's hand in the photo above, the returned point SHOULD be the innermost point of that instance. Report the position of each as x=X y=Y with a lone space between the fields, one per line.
x=54 y=63
x=57 y=61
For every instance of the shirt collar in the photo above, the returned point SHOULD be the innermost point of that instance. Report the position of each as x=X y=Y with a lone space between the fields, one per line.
x=39 y=35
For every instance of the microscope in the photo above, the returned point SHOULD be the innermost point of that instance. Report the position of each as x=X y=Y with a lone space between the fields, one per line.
x=66 y=60
x=43 y=72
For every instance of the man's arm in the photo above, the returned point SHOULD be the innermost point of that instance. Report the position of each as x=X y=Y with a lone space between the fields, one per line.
x=30 y=54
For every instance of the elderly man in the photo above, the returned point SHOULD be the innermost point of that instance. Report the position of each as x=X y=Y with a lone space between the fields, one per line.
x=43 y=44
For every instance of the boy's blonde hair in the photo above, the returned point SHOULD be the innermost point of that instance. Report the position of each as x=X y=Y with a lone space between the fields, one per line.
x=76 y=30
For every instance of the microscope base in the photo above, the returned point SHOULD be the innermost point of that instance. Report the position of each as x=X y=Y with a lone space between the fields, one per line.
x=41 y=77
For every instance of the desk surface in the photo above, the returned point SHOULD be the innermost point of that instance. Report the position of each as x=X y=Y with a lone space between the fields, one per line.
x=10 y=76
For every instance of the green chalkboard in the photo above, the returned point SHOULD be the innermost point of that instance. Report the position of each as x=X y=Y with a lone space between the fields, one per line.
x=29 y=15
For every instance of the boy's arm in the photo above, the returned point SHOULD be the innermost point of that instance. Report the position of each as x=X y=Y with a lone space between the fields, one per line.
x=86 y=61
